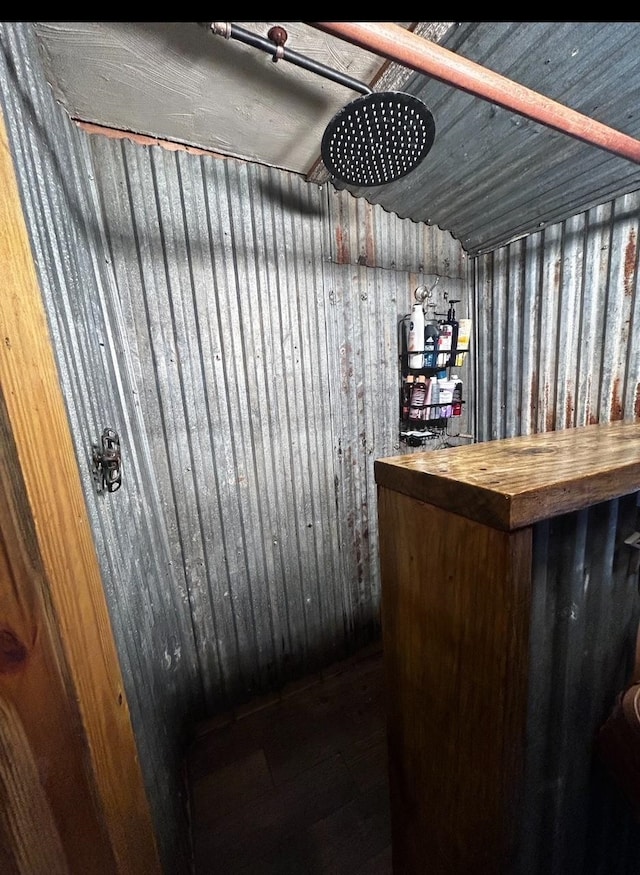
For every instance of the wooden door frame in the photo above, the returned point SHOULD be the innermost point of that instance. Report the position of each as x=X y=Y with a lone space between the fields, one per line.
x=40 y=431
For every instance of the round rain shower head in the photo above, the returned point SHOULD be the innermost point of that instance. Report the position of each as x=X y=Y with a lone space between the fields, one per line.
x=377 y=138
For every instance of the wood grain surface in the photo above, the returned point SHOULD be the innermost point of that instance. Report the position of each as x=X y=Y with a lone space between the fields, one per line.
x=455 y=613
x=37 y=709
x=58 y=662
x=29 y=839
x=516 y=482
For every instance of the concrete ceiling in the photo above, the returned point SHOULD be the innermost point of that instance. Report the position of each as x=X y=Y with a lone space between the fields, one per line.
x=180 y=82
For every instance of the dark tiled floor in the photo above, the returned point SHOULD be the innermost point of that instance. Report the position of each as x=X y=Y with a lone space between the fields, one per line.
x=296 y=783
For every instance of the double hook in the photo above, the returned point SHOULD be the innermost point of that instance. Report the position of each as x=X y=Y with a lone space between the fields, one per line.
x=107 y=462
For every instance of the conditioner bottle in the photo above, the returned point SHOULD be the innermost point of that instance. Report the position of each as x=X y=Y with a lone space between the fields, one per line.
x=431 y=337
x=464 y=333
x=455 y=326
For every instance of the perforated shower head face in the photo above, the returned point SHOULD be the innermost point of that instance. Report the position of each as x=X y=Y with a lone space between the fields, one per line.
x=377 y=138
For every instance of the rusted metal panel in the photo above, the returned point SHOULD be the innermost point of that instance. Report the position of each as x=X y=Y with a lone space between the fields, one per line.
x=559 y=339
x=370 y=237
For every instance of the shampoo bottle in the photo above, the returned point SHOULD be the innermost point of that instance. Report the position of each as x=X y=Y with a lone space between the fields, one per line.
x=418 y=398
x=407 y=387
x=446 y=397
x=415 y=343
x=456 y=407
x=434 y=410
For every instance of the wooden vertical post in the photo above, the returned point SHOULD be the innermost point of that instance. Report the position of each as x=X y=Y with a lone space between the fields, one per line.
x=59 y=671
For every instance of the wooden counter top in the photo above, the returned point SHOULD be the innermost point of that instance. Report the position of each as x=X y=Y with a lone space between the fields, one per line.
x=511 y=483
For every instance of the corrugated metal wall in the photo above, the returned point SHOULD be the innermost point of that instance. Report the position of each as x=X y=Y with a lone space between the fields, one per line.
x=584 y=622
x=238 y=328
x=558 y=345
x=261 y=313
x=558 y=326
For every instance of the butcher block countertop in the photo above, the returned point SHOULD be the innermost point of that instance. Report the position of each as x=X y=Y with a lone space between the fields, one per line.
x=511 y=483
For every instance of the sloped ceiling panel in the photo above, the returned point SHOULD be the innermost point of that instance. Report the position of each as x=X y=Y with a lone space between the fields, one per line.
x=493 y=176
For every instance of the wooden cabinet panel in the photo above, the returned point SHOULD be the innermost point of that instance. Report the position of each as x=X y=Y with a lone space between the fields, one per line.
x=455 y=607
x=500 y=564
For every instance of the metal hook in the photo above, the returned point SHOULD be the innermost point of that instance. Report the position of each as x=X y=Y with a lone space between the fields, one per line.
x=107 y=462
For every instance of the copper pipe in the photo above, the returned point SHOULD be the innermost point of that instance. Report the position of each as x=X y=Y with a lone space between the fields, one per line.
x=397 y=44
